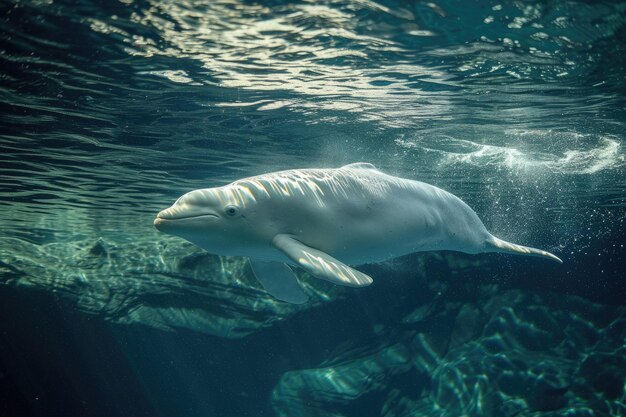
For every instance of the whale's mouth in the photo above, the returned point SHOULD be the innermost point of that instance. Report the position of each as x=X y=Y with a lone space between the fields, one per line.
x=163 y=219
x=193 y=216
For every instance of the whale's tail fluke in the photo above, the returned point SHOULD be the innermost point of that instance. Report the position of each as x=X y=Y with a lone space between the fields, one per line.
x=498 y=245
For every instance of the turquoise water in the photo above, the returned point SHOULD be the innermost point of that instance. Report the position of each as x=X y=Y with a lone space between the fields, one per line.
x=112 y=110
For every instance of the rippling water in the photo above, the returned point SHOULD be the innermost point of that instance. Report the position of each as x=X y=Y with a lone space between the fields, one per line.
x=111 y=110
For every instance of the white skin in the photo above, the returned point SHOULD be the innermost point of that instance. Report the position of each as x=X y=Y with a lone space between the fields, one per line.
x=355 y=214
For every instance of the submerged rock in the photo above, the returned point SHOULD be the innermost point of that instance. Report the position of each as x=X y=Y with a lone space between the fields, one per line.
x=154 y=283
x=605 y=373
x=169 y=284
x=328 y=389
x=463 y=349
x=508 y=354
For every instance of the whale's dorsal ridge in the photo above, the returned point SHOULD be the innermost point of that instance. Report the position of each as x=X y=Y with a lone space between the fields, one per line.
x=360 y=165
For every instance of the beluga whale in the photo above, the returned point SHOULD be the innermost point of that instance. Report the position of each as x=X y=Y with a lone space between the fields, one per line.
x=324 y=221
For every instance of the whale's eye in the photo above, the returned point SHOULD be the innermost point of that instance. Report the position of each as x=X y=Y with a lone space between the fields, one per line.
x=232 y=211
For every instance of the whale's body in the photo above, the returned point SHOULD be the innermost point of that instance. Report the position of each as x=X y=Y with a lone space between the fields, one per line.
x=325 y=219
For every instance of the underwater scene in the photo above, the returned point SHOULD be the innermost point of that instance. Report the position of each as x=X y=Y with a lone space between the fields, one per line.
x=356 y=160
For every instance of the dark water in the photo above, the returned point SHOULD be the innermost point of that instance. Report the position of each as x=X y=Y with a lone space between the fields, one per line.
x=111 y=110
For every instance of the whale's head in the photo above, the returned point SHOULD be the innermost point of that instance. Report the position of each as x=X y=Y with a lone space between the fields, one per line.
x=212 y=218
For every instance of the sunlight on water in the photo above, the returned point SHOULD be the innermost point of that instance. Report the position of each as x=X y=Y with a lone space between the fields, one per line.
x=607 y=155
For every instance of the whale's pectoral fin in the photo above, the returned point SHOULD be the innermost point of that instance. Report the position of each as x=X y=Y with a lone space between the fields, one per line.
x=320 y=264
x=279 y=280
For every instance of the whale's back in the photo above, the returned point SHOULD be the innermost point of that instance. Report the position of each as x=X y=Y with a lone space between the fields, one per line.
x=361 y=214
